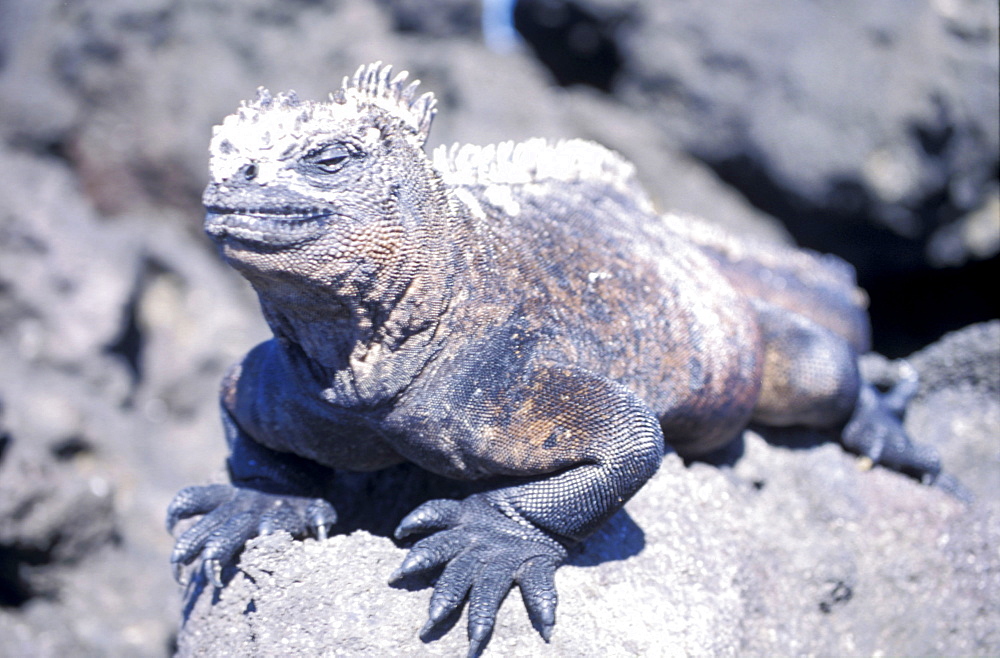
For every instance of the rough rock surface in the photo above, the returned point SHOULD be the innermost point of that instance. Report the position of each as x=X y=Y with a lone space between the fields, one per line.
x=116 y=319
x=112 y=338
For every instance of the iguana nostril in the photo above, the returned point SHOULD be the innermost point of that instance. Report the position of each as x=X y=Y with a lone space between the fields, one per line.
x=249 y=171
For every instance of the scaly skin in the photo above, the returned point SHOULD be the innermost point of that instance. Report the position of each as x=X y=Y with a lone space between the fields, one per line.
x=517 y=314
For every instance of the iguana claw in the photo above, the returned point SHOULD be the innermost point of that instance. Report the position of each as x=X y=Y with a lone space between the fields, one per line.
x=232 y=516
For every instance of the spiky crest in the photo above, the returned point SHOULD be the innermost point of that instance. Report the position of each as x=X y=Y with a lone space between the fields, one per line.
x=265 y=101
x=534 y=161
x=372 y=86
x=268 y=117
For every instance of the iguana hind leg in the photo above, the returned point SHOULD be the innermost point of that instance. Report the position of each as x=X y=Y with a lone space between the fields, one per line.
x=812 y=378
x=810 y=374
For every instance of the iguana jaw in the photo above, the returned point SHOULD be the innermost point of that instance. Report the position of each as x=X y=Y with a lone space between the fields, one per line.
x=266 y=227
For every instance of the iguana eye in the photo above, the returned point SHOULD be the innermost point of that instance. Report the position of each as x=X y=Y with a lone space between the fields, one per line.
x=330 y=159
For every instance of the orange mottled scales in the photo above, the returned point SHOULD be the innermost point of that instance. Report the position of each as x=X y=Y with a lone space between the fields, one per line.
x=517 y=314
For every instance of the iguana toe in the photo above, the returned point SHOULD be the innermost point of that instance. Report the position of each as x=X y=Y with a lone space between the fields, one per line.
x=434 y=551
x=192 y=501
x=538 y=589
x=432 y=516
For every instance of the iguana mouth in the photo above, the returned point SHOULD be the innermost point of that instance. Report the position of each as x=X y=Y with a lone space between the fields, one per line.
x=267 y=227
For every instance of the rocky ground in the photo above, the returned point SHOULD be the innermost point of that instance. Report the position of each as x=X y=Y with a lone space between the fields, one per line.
x=868 y=129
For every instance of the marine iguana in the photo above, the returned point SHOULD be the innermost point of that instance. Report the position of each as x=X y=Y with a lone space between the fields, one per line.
x=517 y=314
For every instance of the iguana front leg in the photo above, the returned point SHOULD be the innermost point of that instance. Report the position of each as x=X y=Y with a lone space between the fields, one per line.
x=587 y=443
x=265 y=410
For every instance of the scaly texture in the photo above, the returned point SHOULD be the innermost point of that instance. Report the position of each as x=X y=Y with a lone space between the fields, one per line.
x=517 y=314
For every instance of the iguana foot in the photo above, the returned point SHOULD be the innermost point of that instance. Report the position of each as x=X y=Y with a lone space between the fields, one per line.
x=232 y=516
x=876 y=431
x=484 y=552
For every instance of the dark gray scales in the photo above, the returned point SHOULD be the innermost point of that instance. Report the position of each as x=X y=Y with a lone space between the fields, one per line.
x=514 y=314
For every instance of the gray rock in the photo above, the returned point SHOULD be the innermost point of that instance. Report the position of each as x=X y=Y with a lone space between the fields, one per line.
x=882 y=109
x=108 y=388
x=958 y=405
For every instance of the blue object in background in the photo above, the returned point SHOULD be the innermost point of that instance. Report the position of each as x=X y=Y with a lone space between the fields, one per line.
x=498 y=25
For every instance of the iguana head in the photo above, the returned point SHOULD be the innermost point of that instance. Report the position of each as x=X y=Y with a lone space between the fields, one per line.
x=328 y=192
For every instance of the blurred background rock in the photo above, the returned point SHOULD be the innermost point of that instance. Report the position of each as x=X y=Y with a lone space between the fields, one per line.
x=866 y=129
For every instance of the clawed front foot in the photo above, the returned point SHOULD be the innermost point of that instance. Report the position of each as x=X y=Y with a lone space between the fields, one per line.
x=484 y=552
x=234 y=515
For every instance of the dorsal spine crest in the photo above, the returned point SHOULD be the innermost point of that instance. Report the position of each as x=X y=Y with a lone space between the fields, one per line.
x=266 y=101
x=534 y=161
x=373 y=86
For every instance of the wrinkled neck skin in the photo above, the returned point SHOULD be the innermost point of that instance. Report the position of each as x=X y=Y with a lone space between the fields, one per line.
x=366 y=327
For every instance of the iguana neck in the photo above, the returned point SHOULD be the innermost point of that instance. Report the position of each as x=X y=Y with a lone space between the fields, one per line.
x=367 y=342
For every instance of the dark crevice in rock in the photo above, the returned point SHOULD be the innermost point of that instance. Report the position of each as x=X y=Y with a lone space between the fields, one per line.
x=441 y=19
x=838 y=595
x=891 y=267
x=915 y=308
x=577 y=46
x=70 y=448
x=15 y=590
x=58 y=147
x=128 y=344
